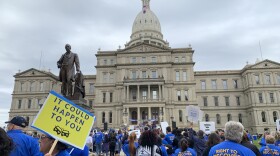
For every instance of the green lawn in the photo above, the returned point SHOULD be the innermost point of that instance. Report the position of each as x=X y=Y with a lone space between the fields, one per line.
x=256 y=142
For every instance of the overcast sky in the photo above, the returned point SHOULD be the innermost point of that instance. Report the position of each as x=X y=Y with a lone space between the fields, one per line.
x=225 y=34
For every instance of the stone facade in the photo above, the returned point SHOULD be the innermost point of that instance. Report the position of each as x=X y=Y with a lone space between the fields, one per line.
x=149 y=81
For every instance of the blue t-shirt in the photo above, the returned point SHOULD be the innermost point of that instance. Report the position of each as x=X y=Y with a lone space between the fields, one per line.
x=187 y=152
x=78 y=152
x=23 y=144
x=230 y=147
x=126 y=148
x=269 y=149
x=63 y=153
x=98 y=137
x=163 y=150
x=277 y=143
x=262 y=142
x=169 y=138
x=164 y=142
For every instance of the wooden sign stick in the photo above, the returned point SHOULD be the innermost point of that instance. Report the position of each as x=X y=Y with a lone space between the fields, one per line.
x=53 y=146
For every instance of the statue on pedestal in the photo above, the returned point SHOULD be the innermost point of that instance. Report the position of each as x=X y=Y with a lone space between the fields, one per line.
x=67 y=70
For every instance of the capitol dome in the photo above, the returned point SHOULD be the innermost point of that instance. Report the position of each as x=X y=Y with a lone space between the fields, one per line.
x=146 y=28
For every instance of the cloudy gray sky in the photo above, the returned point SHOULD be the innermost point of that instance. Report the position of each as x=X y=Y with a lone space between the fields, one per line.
x=225 y=34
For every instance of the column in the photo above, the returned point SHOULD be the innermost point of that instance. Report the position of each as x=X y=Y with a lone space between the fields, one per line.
x=127 y=93
x=256 y=117
x=163 y=113
x=277 y=95
x=124 y=93
x=149 y=112
x=159 y=90
x=138 y=115
x=138 y=93
x=163 y=93
x=149 y=92
x=128 y=121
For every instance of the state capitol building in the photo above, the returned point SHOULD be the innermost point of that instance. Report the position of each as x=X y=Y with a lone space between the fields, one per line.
x=148 y=80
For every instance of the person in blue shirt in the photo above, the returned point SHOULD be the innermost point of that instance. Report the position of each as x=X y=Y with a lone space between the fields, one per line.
x=169 y=137
x=98 y=137
x=162 y=146
x=270 y=149
x=199 y=140
x=262 y=141
x=162 y=136
x=184 y=149
x=119 y=137
x=78 y=152
x=231 y=145
x=130 y=148
x=46 y=143
x=249 y=136
x=23 y=144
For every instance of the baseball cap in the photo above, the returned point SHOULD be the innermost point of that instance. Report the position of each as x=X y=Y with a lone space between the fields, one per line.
x=19 y=121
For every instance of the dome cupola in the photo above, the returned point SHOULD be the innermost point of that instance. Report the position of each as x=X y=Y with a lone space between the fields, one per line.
x=146 y=28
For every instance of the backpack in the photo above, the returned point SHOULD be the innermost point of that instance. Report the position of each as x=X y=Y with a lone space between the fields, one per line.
x=106 y=139
x=148 y=151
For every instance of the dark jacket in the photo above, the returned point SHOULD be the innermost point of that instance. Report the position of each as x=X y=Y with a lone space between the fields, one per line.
x=199 y=143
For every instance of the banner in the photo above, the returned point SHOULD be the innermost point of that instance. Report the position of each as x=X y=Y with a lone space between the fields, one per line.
x=207 y=127
x=163 y=126
x=278 y=124
x=137 y=132
x=193 y=113
x=64 y=121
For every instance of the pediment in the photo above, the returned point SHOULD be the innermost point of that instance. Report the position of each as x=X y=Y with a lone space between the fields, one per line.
x=143 y=48
x=265 y=64
x=32 y=72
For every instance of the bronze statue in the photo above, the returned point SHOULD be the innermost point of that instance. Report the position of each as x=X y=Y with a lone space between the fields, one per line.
x=79 y=89
x=67 y=70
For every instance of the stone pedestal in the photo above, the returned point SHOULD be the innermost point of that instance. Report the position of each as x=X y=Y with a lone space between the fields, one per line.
x=79 y=101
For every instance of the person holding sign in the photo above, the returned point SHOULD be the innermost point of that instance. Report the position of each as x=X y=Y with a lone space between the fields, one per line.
x=51 y=147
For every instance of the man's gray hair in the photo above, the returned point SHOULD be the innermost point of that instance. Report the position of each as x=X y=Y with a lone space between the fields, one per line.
x=234 y=131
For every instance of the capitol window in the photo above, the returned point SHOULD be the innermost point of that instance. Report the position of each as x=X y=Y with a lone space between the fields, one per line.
x=177 y=76
x=154 y=59
x=225 y=84
x=203 y=85
x=214 y=84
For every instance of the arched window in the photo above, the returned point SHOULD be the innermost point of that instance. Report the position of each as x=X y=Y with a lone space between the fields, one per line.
x=275 y=116
x=144 y=115
x=103 y=117
x=263 y=117
x=229 y=117
x=218 y=118
x=180 y=115
x=110 y=117
x=240 y=118
x=206 y=117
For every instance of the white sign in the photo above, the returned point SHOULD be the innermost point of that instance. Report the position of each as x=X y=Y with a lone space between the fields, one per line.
x=163 y=126
x=207 y=127
x=137 y=132
x=193 y=113
x=278 y=124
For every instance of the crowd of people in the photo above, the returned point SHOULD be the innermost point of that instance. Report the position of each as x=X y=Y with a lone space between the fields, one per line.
x=232 y=140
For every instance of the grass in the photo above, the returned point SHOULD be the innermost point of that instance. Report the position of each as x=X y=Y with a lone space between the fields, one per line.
x=256 y=143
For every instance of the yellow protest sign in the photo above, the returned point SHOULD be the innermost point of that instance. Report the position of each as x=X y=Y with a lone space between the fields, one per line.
x=64 y=120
